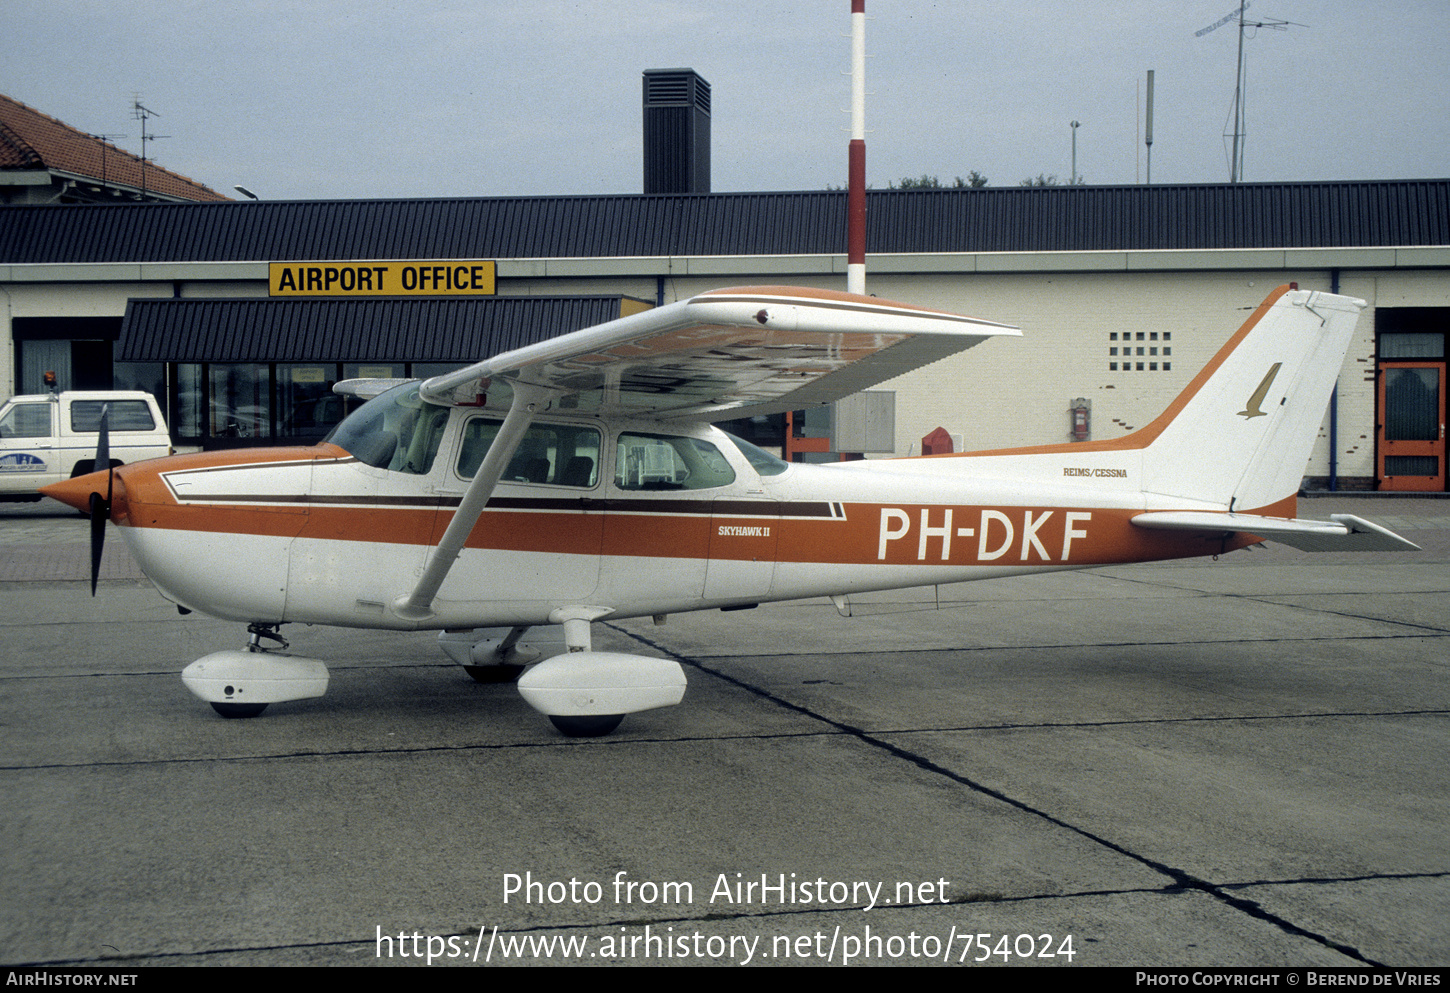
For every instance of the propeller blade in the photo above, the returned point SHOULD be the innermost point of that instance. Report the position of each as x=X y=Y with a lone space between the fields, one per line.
x=101 y=505
x=103 y=442
x=100 y=510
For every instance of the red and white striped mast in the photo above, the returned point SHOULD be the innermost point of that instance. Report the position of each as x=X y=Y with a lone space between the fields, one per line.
x=856 y=157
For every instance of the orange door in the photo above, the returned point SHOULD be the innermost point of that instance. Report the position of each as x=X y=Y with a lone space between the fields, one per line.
x=1411 y=433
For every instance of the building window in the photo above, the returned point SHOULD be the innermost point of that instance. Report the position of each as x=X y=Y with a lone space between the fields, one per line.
x=306 y=405
x=241 y=400
x=1411 y=345
x=230 y=405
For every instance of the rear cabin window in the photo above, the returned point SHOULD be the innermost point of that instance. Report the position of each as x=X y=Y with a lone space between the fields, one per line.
x=664 y=462
x=126 y=415
x=550 y=454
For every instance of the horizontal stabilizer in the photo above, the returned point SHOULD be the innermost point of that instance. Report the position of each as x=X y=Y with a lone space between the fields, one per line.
x=1341 y=533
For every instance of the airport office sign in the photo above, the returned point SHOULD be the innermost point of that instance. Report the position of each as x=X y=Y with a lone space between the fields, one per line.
x=447 y=278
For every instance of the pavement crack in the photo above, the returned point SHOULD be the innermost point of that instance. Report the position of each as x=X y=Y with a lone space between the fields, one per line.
x=1308 y=639
x=1152 y=721
x=1181 y=877
x=774 y=915
x=1333 y=880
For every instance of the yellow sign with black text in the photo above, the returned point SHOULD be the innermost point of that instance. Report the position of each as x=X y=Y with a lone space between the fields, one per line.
x=453 y=278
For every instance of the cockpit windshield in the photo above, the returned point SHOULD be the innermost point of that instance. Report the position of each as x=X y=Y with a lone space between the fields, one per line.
x=396 y=430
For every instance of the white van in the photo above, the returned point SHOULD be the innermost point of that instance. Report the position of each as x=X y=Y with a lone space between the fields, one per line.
x=50 y=437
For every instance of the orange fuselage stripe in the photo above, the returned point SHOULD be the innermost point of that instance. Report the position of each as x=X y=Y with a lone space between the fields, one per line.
x=1014 y=535
x=663 y=527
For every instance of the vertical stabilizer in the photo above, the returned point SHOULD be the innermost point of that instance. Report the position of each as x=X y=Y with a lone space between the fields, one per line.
x=1242 y=431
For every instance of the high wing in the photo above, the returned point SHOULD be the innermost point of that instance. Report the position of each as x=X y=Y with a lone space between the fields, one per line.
x=1341 y=533
x=732 y=352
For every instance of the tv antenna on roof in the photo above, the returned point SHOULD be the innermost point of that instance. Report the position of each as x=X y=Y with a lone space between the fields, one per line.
x=1236 y=160
x=143 y=114
x=105 y=140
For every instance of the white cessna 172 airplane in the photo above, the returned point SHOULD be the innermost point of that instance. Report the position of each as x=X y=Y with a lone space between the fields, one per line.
x=579 y=478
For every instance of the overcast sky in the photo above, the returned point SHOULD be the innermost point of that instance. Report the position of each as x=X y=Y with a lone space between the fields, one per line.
x=370 y=98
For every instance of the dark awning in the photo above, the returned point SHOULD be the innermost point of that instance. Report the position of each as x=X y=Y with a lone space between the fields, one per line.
x=368 y=330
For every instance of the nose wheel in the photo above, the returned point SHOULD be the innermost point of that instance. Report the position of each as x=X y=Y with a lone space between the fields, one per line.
x=240 y=684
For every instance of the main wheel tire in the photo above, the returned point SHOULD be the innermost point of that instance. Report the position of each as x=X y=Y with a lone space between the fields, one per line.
x=494 y=673
x=232 y=711
x=587 y=727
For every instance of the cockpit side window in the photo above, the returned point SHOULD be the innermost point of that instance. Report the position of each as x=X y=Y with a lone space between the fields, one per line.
x=551 y=454
x=395 y=430
x=665 y=462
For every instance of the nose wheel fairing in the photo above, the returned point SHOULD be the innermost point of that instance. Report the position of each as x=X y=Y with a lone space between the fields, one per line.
x=241 y=684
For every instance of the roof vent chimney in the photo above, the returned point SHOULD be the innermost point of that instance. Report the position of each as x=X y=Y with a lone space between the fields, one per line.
x=676 y=131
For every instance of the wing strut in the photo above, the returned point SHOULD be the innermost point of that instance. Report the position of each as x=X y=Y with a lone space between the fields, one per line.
x=418 y=605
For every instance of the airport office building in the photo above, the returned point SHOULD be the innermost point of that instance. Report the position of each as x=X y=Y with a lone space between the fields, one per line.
x=241 y=315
